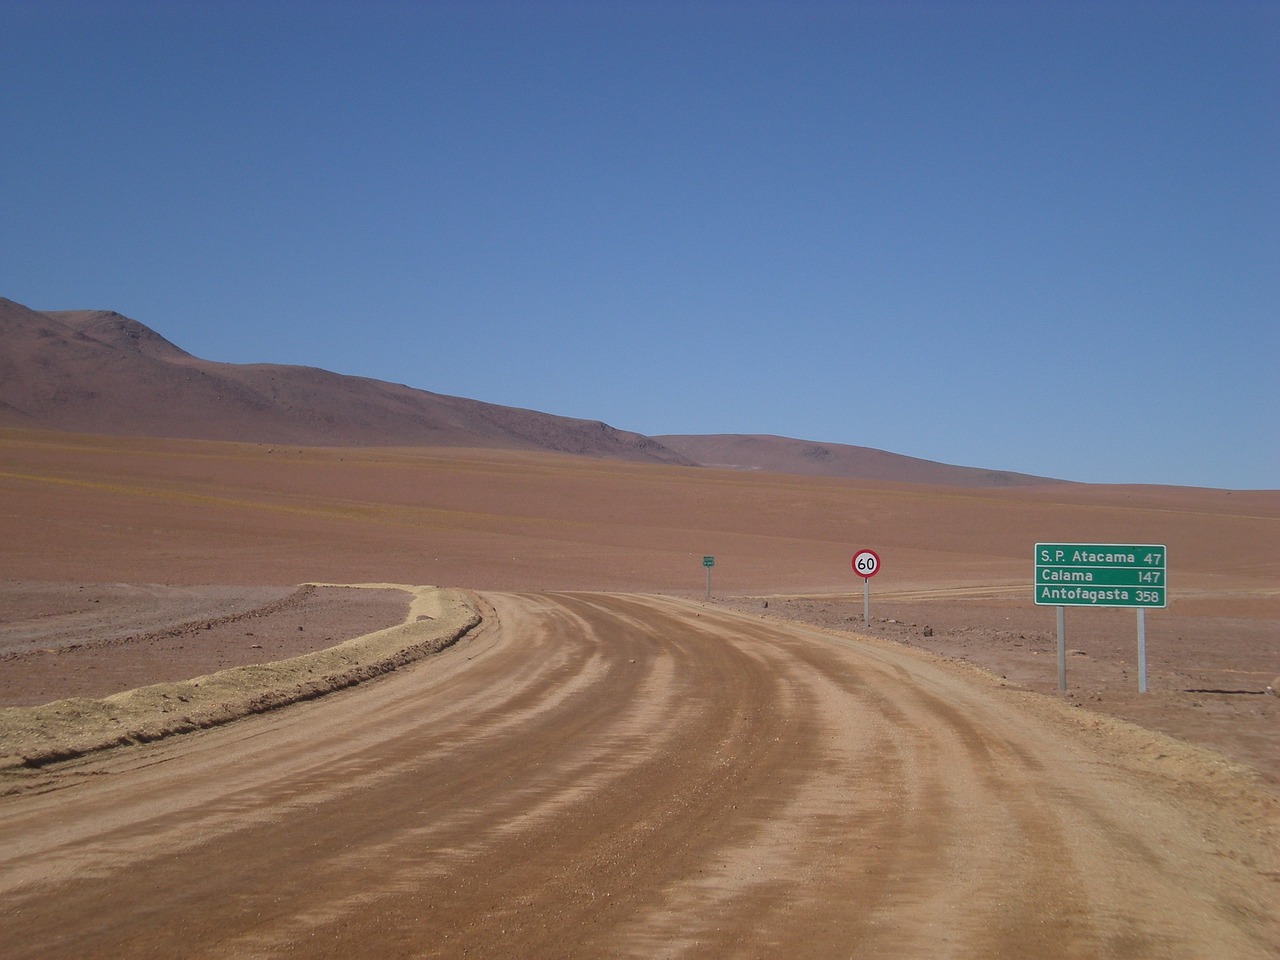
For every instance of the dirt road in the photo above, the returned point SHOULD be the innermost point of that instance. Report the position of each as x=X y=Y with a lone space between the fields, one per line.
x=592 y=775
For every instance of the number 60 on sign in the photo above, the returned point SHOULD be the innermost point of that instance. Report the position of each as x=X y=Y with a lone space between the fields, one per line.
x=866 y=563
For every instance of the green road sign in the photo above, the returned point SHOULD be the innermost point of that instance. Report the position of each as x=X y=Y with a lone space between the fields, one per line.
x=1101 y=574
x=708 y=561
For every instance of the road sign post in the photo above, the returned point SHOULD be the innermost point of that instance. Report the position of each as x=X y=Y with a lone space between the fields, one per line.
x=1102 y=575
x=866 y=564
x=708 y=562
x=1062 y=649
x=1142 y=649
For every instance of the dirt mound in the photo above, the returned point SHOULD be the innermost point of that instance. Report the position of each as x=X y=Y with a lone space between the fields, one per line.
x=33 y=736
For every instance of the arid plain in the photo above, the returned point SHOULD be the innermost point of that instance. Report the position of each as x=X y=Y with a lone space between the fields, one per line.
x=203 y=531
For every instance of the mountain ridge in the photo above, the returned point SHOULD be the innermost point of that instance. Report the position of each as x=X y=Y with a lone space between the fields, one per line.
x=100 y=372
x=774 y=454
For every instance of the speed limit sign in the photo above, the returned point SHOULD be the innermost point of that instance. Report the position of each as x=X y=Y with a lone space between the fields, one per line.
x=866 y=563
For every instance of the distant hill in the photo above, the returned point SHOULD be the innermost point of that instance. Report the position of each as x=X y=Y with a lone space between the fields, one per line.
x=95 y=371
x=785 y=455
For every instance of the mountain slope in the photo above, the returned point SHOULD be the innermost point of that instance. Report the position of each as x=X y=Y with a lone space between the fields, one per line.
x=99 y=372
x=786 y=455
x=95 y=371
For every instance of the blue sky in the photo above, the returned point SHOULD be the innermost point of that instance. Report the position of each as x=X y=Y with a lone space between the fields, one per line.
x=1027 y=236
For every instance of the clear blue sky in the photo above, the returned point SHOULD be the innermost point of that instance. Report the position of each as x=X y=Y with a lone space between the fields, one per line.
x=1033 y=236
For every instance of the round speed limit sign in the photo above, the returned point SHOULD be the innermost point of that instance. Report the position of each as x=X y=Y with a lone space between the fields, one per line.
x=866 y=563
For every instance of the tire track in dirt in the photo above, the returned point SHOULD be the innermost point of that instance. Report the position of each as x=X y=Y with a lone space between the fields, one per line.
x=609 y=775
x=1076 y=853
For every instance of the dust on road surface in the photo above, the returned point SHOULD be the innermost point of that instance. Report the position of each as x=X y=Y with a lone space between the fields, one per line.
x=591 y=775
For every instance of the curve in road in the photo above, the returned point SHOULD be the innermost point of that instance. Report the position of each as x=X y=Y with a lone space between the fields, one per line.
x=592 y=775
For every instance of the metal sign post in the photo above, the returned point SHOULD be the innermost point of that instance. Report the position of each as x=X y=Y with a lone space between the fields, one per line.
x=1142 y=649
x=1062 y=649
x=866 y=563
x=708 y=562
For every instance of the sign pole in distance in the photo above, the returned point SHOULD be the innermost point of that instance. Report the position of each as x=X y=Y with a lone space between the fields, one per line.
x=866 y=564
x=1102 y=575
x=1142 y=649
x=708 y=562
x=1062 y=648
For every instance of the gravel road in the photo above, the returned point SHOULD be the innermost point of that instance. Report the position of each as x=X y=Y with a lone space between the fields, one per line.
x=590 y=775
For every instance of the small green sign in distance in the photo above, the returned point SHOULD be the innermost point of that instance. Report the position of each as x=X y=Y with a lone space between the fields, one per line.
x=1101 y=574
x=708 y=561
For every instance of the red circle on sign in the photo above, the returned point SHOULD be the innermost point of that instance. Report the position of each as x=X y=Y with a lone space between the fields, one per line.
x=866 y=563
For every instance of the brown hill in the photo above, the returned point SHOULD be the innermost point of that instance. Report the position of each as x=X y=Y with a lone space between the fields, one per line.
x=807 y=458
x=94 y=371
x=99 y=372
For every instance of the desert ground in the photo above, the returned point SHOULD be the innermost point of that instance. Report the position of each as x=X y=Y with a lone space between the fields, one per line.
x=612 y=763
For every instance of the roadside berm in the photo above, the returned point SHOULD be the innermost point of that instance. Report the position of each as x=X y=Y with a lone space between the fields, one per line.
x=31 y=737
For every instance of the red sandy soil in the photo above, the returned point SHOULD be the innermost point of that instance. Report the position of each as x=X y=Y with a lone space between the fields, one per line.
x=82 y=511
x=600 y=772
